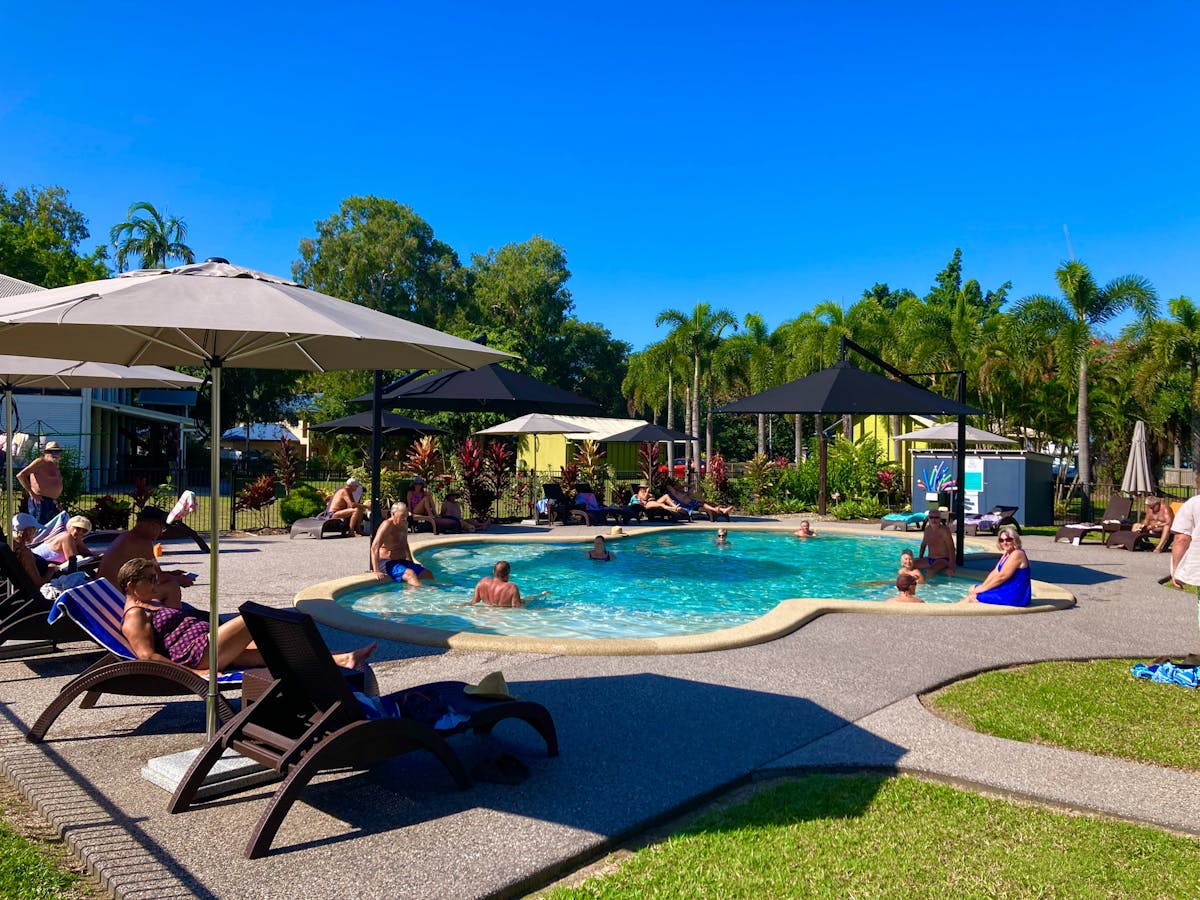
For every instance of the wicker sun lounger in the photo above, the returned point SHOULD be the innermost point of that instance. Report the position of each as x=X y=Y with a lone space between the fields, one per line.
x=23 y=612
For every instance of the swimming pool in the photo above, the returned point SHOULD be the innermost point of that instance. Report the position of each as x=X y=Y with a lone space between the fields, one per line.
x=667 y=583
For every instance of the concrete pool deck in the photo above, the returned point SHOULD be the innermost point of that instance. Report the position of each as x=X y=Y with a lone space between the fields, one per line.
x=643 y=738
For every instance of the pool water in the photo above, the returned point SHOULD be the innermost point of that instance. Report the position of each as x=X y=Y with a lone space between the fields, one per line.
x=672 y=582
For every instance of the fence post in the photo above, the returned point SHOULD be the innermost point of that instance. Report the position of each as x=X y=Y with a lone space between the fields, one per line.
x=232 y=498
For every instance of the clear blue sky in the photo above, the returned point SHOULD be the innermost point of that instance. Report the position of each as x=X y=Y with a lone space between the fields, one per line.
x=758 y=156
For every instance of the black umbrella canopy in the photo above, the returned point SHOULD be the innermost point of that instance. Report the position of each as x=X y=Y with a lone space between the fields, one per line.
x=846 y=389
x=361 y=423
x=487 y=389
x=648 y=432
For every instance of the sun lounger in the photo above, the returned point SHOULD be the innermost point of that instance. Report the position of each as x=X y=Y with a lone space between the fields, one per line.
x=23 y=612
x=558 y=508
x=903 y=521
x=309 y=720
x=320 y=526
x=1116 y=518
x=991 y=521
x=97 y=608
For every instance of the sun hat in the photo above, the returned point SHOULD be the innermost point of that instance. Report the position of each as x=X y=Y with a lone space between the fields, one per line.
x=491 y=686
x=616 y=529
x=417 y=479
x=353 y=482
x=80 y=522
x=52 y=447
x=152 y=514
x=21 y=521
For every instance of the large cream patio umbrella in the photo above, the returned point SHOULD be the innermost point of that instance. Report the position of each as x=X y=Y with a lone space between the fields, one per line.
x=34 y=372
x=215 y=314
x=534 y=424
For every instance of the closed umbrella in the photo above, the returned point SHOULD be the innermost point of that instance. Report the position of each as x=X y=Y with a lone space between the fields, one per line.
x=1138 y=477
x=217 y=315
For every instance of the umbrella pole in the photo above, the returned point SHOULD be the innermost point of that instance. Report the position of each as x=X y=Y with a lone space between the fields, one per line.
x=213 y=543
x=8 y=461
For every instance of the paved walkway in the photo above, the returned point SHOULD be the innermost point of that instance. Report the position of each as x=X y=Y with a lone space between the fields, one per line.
x=643 y=738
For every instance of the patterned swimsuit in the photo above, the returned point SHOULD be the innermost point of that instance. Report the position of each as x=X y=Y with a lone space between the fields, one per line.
x=182 y=636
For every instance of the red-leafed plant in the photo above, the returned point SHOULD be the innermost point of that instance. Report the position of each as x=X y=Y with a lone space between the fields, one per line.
x=287 y=465
x=570 y=477
x=472 y=475
x=590 y=460
x=498 y=468
x=425 y=458
x=718 y=475
x=255 y=498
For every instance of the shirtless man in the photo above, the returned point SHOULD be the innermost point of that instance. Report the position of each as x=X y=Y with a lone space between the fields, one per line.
x=1157 y=524
x=938 y=543
x=138 y=543
x=499 y=591
x=42 y=480
x=345 y=504
x=805 y=530
x=391 y=556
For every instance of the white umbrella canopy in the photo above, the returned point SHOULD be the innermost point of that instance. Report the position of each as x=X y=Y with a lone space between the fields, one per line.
x=30 y=371
x=216 y=314
x=1138 y=477
x=535 y=424
x=948 y=432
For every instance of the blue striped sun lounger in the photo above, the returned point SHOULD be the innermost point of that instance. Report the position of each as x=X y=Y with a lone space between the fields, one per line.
x=98 y=609
x=902 y=521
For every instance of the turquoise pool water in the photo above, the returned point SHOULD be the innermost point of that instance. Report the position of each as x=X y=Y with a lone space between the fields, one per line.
x=666 y=583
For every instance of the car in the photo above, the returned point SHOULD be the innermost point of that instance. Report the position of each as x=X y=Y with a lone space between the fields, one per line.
x=680 y=467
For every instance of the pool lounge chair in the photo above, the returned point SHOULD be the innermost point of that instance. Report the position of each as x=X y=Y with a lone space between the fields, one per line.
x=97 y=608
x=23 y=612
x=558 y=508
x=309 y=720
x=991 y=521
x=903 y=521
x=1115 y=518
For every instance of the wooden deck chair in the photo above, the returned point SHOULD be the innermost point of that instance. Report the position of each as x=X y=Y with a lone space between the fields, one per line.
x=97 y=608
x=1115 y=518
x=309 y=720
x=23 y=613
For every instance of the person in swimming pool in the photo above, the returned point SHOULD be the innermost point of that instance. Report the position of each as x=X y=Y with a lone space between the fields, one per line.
x=499 y=591
x=908 y=566
x=937 y=547
x=599 y=551
x=805 y=530
x=723 y=538
x=391 y=557
x=906 y=588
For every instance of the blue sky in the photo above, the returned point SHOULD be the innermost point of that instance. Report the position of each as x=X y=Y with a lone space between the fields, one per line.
x=762 y=157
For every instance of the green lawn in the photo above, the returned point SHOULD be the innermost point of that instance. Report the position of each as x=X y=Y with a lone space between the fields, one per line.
x=30 y=871
x=872 y=836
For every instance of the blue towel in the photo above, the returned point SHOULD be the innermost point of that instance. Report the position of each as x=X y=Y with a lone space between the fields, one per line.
x=1167 y=673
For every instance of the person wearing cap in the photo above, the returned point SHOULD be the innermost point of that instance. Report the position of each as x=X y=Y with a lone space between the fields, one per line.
x=138 y=543
x=391 y=557
x=906 y=586
x=1157 y=523
x=42 y=481
x=24 y=529
x=499 y=591
x=346 y=503
x=420 y=501
x=66 y=544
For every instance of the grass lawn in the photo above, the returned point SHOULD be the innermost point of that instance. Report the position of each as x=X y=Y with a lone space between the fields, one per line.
x=1096 y=707
x=33 y=862
x=873 y=836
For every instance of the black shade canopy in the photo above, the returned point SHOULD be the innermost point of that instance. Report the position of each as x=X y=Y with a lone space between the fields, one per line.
x=648 y=432
x=846 y=389
x=360 y=423
x=487 y=389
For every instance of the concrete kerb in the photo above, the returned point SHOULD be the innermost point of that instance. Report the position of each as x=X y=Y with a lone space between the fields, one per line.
x=321 y=602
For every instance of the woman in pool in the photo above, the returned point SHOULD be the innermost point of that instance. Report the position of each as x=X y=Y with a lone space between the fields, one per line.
x=908 y=566
x=1008 y=584
x=723 y=538
x=156 y=630
x=599 y=551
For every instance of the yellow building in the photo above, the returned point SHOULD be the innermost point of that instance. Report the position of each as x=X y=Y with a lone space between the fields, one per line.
x=553 y=451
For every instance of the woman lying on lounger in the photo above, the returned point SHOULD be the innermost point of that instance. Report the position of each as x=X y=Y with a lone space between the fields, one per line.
x=155 y=630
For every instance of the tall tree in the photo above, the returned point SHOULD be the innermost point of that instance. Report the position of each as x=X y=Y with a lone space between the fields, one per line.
x=152 y=237
x=589 y=362
x=701 y=334
x=40 y=234
x=1083 y=307
x=752 y=360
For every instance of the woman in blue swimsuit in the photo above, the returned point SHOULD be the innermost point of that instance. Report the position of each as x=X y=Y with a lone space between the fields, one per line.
x=1008 y=584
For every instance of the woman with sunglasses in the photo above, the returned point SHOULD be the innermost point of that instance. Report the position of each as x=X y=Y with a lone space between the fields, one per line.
x=1008 y=584
x=158 y=630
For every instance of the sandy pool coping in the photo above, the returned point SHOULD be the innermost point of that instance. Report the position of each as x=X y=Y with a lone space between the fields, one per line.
x=320 y=601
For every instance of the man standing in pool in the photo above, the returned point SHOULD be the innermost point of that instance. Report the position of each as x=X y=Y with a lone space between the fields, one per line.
x=499 y=591
x=939 y=545
x=391 y=556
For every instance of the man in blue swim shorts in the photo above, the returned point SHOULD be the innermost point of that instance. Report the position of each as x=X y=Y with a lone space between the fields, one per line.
x=391 y=556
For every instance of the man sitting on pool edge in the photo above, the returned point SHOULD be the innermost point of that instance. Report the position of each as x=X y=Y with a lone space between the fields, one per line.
x=499 y=591
x=391 y=556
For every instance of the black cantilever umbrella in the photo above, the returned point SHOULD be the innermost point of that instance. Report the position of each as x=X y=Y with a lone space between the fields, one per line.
x=361 y=423
x=489 y=388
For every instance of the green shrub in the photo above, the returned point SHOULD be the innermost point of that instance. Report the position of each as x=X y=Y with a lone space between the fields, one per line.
x=859 y=509
x=302 y=503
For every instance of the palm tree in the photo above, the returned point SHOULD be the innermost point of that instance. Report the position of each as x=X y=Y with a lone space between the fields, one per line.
x=701 y=334
x=1173 y=347
x=1083 y=307
x=752 y=359
x=150 y=236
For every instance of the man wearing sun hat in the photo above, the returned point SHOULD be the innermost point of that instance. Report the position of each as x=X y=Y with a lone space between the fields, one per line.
x=42 y=480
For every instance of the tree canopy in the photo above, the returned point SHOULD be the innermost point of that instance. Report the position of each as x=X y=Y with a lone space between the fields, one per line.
x=40 y=234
